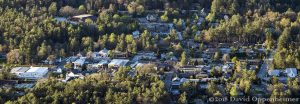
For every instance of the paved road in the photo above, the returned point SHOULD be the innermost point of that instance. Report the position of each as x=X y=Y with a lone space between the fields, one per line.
x=264 y=67
x=168 y=80
x=263 y=70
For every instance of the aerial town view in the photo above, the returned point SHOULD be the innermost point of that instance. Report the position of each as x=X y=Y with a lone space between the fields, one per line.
x=149 y=51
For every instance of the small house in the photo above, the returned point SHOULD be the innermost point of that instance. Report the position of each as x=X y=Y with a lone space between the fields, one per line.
x=144 y=55
x=119 y=54
x=83 y=17
x=274 y=72
x=118 y=63
x=58 y=70
x=61 y=19
x=152 y=17
x=291 y=72
x=79 y=63
x=103 y=53
x=74 y=74
x=136 y=34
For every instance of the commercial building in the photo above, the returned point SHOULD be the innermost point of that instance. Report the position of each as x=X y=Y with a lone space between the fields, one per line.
x=30 y=72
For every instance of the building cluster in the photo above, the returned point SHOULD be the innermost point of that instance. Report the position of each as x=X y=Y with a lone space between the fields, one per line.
x=207 y=63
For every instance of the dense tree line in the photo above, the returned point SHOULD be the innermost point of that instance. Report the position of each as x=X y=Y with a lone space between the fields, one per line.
x=97 y=88
x=28 y=27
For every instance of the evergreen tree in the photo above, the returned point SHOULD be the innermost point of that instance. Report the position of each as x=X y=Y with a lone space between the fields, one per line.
x=53 y=8
x=184 y=59
x=182 y=99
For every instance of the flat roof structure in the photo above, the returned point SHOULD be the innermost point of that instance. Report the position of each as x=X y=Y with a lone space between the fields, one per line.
x=118 y=62
x=80 y=61
x=19 y=69
x=30 y=72
x=83 y=16
x=37 y=70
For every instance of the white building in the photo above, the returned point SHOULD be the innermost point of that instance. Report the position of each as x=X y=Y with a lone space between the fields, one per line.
x=79 y=63
x=136 y=34
x=30 y=72
x=118 y=62
x=274 y=72
x=152 y=17
x=291 y=72
x=104 y=53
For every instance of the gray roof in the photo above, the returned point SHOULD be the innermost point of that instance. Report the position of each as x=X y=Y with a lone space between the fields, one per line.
x=19 y=69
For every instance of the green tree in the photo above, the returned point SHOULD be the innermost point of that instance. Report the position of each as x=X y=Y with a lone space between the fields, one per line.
x=82 y=9
x=283 y=39
x=164 y=17
x=279 y=61
x=234 y=59
x=53 y=8
x=87 y=43
x=184 y=59
x=214 y=10
x=269 y=41
x=182 y=99
x=226 y=58
x=216 y=56
x=42 y=52
x=233 y=91
x=112 y=41
x=15 y=57
x=140 y=9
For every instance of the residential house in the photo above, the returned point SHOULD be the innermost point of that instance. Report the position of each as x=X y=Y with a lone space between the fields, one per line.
x=103 y=64
x=176 y=82
x=24 y=85
x=179 y=35
x=225 y=50
x=73 y=74
x=203 y=83
x=83 y=17
x=152 y=17
x=291 y=72
x=104 y=53
x=78 y=64
x=116 y=63
x=202 y=74
x=164 y=66
x=187 y=71
x=61 y=19
x=252 y=61
x=58 y=70
x=136 y=34
x=191 y=44
x=144 y=55
x=197 y=61
x=211 y=51
x=203 y=13
x=274 y=72
x=200 y=21
x=226 y=17
x=71 y=59
x=227 y=69
x=253 y=67
x=119 y=54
